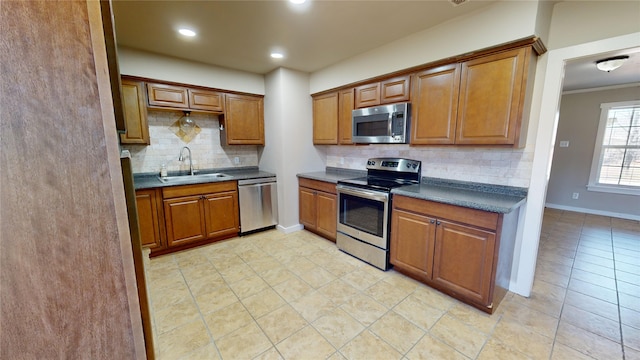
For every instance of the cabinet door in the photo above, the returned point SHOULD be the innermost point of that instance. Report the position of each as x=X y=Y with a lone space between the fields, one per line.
x=345 y=122
x=206 y=100
x=167 y=96
x=491 y=98
x=307 y=207
x=367 y=95
x=412 y=241
x=135 y=113
x=395 y=90
x=185 y=221
x=148 y=218
x=463 y=260
x=325 y=119
x=326 y=211
x=221 y=214
x=244 y=120
x=435 y=105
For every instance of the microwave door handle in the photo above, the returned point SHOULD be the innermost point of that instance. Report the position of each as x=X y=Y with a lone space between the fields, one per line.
x=392 y=114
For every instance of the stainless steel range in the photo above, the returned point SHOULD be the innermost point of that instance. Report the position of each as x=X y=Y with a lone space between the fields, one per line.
x=364 y=208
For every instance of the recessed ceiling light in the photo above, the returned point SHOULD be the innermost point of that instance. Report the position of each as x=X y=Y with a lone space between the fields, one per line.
x=187 y=32
x=297 y=1
x=277 y=55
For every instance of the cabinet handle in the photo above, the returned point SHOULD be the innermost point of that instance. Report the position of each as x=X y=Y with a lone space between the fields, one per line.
x=432 y=221
x=438 y=222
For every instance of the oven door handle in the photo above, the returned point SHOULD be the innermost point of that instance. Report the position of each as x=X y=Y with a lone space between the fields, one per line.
x=373 y=195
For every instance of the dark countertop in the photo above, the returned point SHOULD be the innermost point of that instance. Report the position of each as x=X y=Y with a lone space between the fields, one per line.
x=150 y=180
x=486 y=197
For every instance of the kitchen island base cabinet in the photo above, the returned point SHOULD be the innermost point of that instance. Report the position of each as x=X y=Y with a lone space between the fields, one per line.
x=318 y=207
x=466 y=253
x=199 y=214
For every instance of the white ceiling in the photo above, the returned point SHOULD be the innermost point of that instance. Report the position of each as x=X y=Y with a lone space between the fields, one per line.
x=241 y=34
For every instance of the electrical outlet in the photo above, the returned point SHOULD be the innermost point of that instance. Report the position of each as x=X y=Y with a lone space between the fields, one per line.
x=564 y=143
x=236 y=160
x=575 y=196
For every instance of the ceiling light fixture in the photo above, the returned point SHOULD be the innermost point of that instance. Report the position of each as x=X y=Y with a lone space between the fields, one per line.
x=187 y=32
x=297 y=1
x=277 y=55
x=612 y=63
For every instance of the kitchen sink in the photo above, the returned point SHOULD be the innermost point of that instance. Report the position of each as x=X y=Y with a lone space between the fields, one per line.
x=189 y=178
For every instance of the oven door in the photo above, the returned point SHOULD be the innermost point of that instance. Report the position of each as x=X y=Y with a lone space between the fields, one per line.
x=363 y=214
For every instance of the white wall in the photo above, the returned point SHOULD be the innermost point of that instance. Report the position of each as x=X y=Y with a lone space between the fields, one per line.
x=502 y=22
x=145 y=64
x=288 y=133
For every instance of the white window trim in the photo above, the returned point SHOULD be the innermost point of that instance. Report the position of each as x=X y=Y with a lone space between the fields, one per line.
x=593 y=184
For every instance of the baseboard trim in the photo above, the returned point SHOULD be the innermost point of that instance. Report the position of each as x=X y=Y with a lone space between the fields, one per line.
x=593 y=212
x=290 y=229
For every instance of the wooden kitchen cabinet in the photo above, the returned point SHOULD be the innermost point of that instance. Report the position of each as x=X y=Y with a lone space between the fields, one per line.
x=150 y=218
x=243 y=120
x=184 y=98
x=477 y=102
x=325 y=119
x=195 y=214
x=466 y=253
x=387 y=91
x=345 y=122
x=135 y=113
x=318 y=207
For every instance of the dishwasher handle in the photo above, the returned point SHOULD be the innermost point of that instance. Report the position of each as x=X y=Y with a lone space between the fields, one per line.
x=257 y=181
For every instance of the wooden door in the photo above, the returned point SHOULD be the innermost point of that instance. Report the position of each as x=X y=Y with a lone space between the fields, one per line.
x=184 y=219
x=135 y=113
x=167 y=96
x=206 y=100
x=412 y=242
x=463 y=261
x=307 y=207
x=435 y=105
x=221 y=214
x=395 y=90
x=149 y=218
x=345 y=122
x=367 y=95
x=325 y=119
x=491 y=98
x=326 y=210
x=244 y=120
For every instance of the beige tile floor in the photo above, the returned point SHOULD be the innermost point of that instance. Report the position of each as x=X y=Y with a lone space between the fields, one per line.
x=295 y=296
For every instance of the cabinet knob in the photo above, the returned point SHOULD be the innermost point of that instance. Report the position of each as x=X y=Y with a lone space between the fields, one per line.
x=438 y=222
x=432 y=221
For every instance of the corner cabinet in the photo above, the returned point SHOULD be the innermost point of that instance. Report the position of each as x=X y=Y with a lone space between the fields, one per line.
x=134 y=105
x=482 y=101
x=243 y=120
x=318 y=207
x=195 y=213
x=466 y=253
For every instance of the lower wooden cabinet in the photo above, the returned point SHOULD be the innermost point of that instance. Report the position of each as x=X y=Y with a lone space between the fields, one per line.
x=318 y=207
x=463 y=252
x=194 y=213
x=150 y=218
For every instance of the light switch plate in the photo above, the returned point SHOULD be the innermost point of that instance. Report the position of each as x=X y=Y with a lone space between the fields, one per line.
x=564 y=143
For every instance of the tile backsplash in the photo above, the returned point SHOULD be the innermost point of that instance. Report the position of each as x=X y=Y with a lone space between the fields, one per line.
x=498 y=166
x=205 y=147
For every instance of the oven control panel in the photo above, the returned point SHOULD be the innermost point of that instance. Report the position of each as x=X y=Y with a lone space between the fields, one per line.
x=394 y=164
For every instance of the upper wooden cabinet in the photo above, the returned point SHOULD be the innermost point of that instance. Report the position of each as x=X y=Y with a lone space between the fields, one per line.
x=476 y=102
x=135 y=113
x=388 y=91
x=345 y=124
x=184 y=98
x=325 y=119
x=243 y=120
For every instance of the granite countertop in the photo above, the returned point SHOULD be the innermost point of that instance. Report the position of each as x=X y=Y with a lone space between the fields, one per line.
x=150 y=180
x=487 y=197
x=333 y=175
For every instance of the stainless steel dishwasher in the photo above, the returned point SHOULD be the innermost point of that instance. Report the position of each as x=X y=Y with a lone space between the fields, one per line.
x=258 y=204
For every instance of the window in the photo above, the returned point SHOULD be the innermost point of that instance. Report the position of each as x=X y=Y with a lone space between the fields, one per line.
x=616 y=158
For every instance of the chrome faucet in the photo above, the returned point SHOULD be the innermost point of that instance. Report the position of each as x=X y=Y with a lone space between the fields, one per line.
x=181 y=158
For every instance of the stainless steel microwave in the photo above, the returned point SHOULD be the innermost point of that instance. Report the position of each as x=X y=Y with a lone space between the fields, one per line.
x=384 y=124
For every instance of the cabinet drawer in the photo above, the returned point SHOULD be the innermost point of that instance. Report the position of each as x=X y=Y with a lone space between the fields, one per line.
x=198 y=189
x=317 y=185
x=479 y=218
